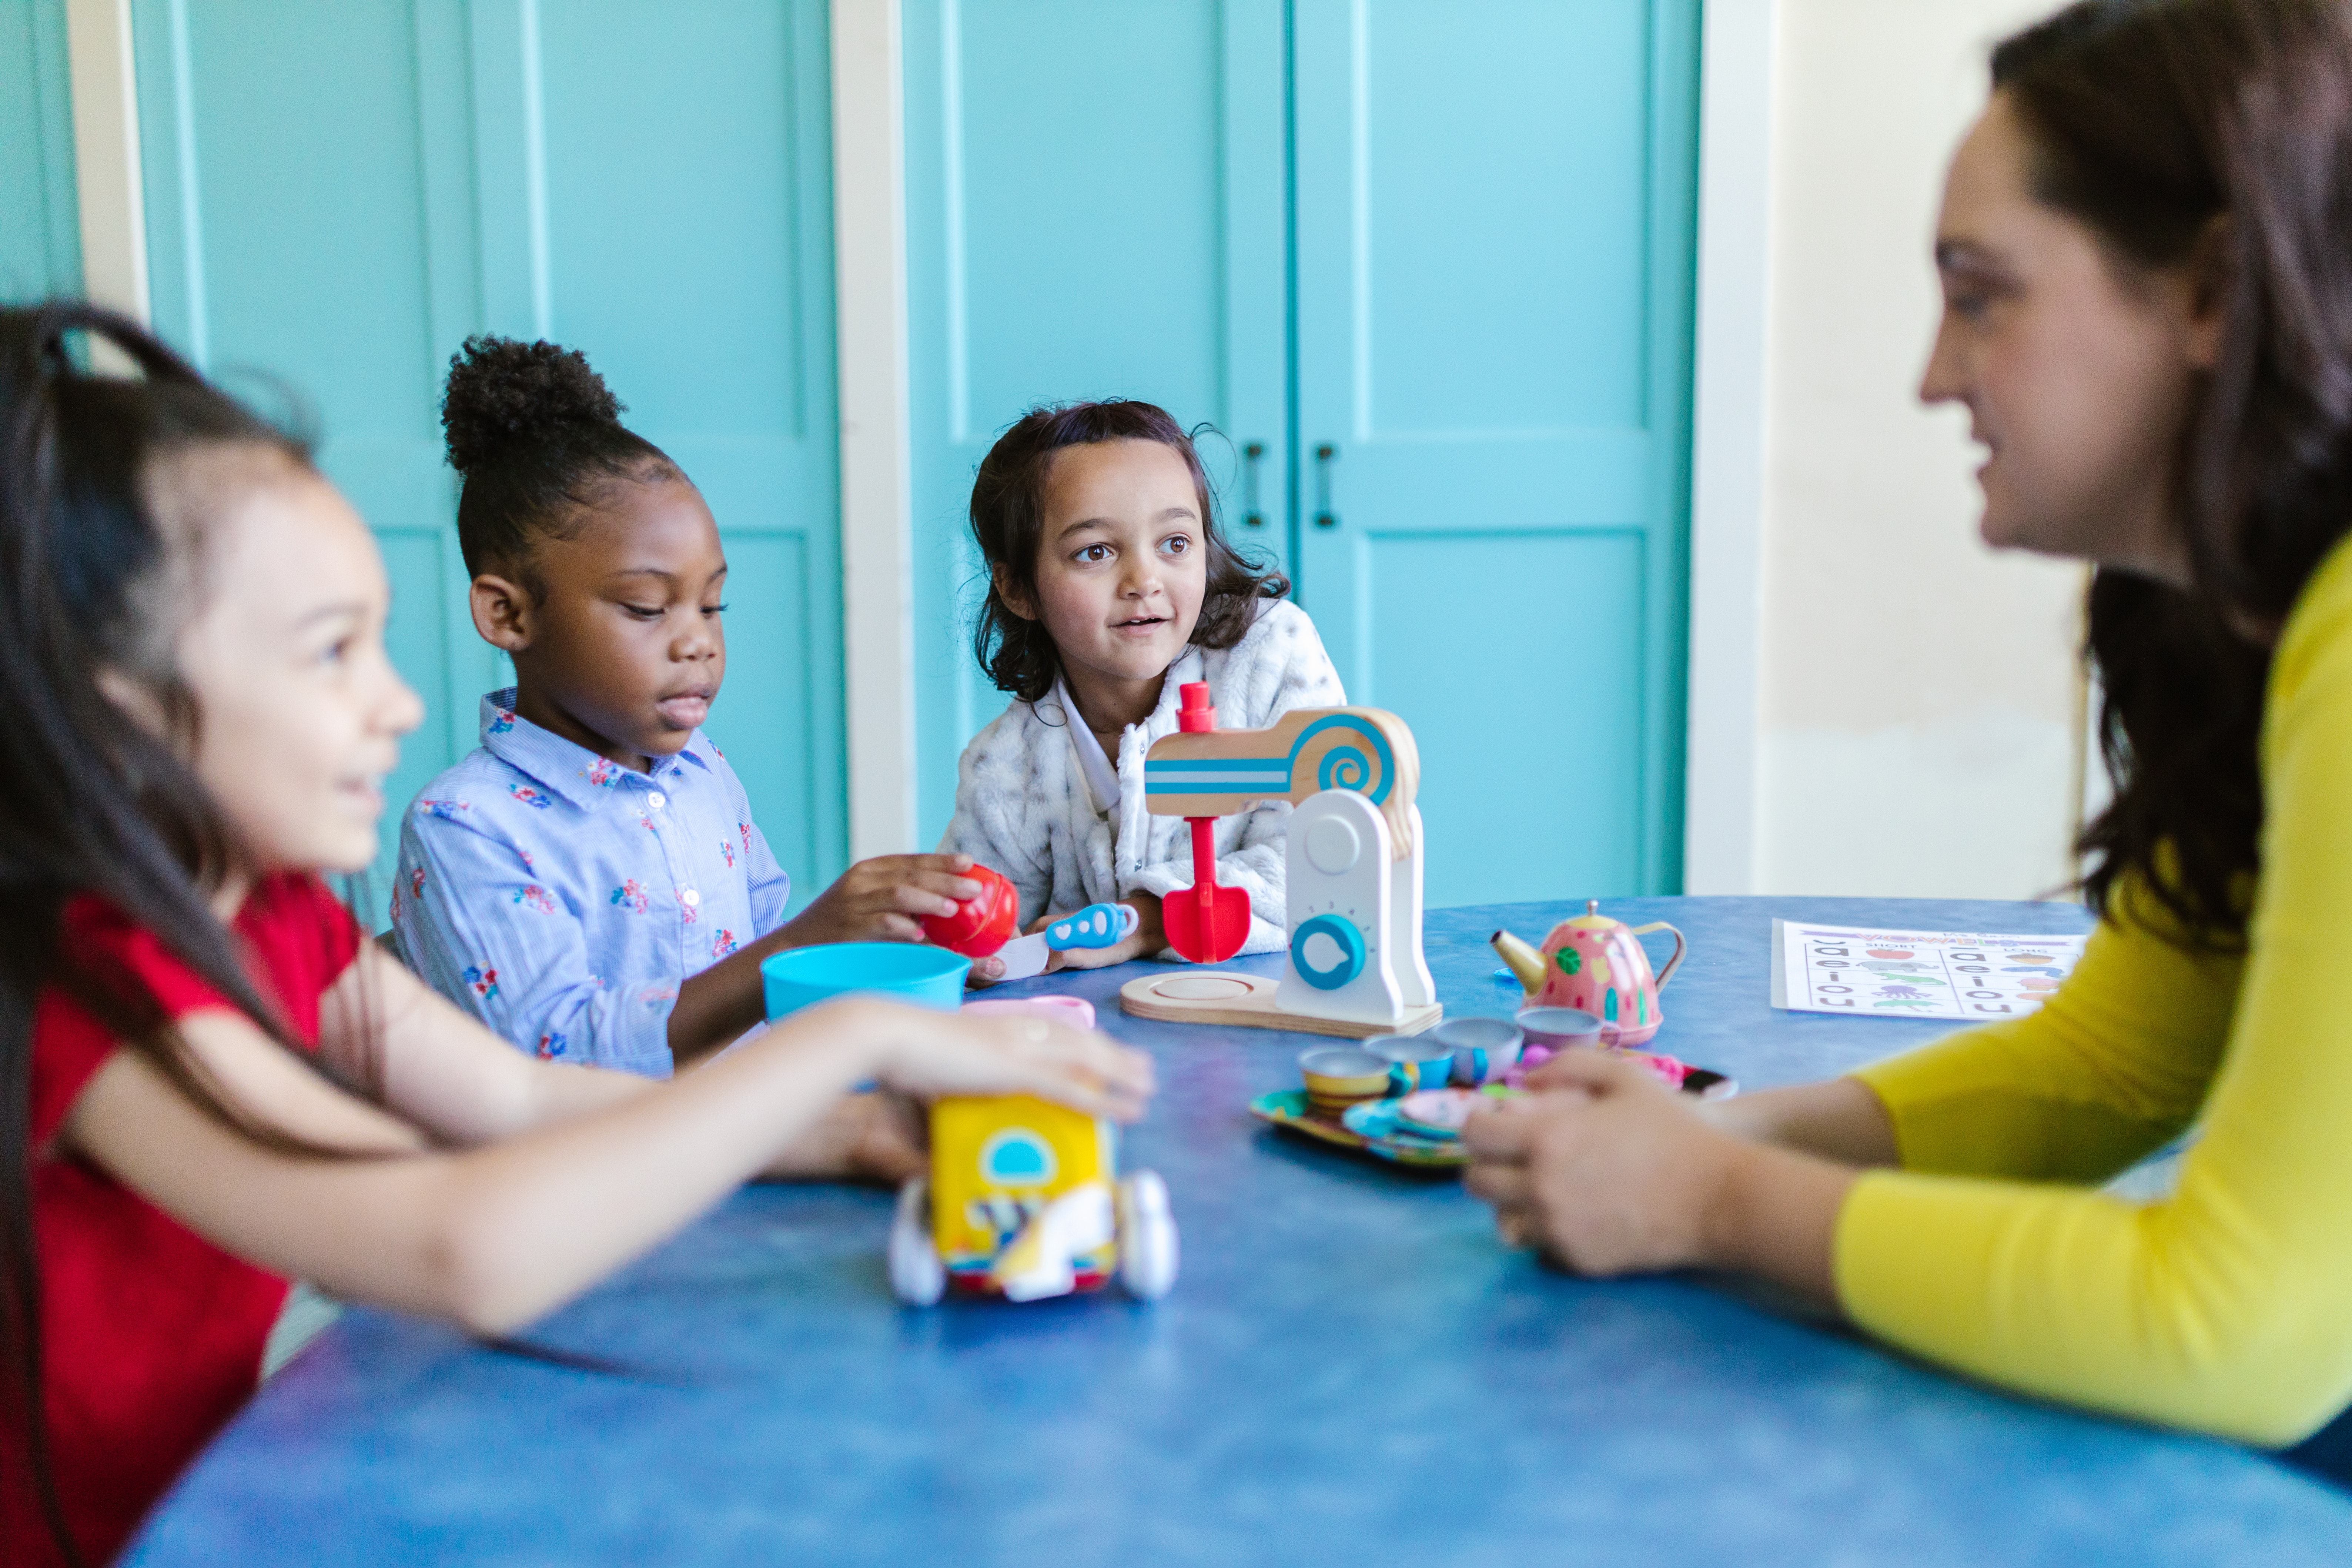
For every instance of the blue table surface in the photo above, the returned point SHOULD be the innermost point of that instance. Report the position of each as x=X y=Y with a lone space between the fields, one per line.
x=1352 y=1368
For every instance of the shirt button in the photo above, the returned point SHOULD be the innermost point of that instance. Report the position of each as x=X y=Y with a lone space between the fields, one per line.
x=656 y=799
x=688 y=897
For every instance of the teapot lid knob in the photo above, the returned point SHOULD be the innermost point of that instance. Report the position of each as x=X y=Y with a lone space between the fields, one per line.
x=1592 y=905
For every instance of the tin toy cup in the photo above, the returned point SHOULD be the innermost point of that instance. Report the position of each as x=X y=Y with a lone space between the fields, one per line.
x=1415 y=1061
x=1551 y=1029
x=1483 y=1049
x=1340 y=1076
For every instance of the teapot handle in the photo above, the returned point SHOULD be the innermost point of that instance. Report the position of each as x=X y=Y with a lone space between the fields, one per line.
x=1681 y=947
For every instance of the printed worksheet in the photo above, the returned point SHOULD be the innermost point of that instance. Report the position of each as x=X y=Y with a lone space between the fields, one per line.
x=1973 y=976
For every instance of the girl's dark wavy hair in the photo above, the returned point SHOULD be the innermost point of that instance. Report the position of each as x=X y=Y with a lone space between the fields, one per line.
x=538 y=438
x=91 y=802
x=1008 y=520
x=2214 y=135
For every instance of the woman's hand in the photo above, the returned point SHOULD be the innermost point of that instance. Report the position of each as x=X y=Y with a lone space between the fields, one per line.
x=931 y=1055
x=1607 y=1171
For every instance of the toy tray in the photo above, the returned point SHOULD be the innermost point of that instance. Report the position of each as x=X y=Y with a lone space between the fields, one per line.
x=1289 y=1108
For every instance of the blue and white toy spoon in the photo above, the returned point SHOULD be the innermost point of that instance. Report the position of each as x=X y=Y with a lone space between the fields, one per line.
x=1097 y=925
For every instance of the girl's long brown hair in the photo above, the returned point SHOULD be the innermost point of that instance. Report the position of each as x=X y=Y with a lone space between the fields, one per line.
x=2210 y=133
x=91 y=802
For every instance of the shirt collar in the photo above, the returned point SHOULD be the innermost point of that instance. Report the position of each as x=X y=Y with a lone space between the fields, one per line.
x=1101 y=772
x=573 y=772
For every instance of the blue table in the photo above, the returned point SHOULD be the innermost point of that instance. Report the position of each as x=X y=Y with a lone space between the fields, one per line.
x=1351 y=1370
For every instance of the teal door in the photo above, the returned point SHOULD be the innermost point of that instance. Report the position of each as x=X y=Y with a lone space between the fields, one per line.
x=338 y=194
x=40 y=237
x=1096 y=207
x=1496 y=257
x=1435 y=260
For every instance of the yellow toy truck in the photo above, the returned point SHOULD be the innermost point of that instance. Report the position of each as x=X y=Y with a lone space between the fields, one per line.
x=1024 y=1202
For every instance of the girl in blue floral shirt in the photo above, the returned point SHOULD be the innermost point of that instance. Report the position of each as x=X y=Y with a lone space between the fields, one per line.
x=589 y=881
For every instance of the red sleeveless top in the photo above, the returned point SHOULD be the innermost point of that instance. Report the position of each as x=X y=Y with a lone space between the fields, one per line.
x=151 y=1335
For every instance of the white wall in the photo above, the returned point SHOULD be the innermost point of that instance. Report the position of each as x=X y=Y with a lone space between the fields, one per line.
x=1919 y=710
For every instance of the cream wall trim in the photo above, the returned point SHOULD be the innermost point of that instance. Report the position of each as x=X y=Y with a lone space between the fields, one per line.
x=105 y=155
x=1921 y=719
x=869 y=177
x=1721 y=771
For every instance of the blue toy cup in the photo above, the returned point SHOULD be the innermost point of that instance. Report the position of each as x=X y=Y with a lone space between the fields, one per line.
x=801 y=977
x=1483 y=1049
x=1415 y=1061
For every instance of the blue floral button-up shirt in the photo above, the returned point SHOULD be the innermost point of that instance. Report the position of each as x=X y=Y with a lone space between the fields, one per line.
x=563 y=899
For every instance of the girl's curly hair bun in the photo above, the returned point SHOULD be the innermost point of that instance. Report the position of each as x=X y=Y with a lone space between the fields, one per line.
x=505 y=393
x=537 y=436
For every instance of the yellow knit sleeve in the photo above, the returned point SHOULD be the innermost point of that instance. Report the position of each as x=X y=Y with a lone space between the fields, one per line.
x=2113 y=1068
x=2228 y=1306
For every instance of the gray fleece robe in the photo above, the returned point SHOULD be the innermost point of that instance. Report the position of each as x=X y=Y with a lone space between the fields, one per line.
x=1023 y=806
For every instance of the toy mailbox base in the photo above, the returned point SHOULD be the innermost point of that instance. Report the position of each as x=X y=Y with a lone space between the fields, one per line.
x=1141 y=1250
x=1249 y=1002
x=1024 y=1201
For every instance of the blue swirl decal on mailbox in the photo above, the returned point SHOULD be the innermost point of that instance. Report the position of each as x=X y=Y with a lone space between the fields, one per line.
x=1346 y=767
x=1342 y=762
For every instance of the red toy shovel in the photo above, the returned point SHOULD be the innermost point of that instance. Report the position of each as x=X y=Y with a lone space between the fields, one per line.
x=1205 y=922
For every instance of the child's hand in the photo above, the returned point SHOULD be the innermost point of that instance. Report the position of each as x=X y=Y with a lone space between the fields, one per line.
x=875 y=1137
x=1149 y=937
x=883 y=899
x=931 y=1054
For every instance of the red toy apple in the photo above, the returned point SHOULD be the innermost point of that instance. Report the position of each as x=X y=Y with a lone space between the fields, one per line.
x=981 y=925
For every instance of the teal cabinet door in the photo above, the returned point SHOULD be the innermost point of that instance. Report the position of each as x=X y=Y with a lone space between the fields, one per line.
x=338 y=194
x=40 y=226
x=1095 y=208
x=1494 y=231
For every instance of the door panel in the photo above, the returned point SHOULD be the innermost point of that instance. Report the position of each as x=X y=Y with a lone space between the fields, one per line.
x=336 y=195
x=1095 y=208
x=289 y=249
x=690 y=253
x=40 y=237
x=1495 y=254
x=1553 y=788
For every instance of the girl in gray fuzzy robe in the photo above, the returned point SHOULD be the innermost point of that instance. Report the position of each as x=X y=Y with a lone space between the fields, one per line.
x=1037 y=796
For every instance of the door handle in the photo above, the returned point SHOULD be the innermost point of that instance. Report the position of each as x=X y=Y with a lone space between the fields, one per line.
x=1324 y=457
x=1251 y=454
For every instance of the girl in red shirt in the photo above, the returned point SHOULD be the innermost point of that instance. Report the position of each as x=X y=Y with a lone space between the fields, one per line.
x=209 y=1082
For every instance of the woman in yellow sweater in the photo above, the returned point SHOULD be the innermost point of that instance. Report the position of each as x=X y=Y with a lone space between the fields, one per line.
x=2146 y=249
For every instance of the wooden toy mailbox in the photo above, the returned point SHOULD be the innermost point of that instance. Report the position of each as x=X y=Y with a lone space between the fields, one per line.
x=1354 y=870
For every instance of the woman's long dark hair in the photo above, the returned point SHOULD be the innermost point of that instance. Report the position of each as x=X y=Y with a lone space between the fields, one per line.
x=92 y=580
x=1008 y=517
x=2217 y=134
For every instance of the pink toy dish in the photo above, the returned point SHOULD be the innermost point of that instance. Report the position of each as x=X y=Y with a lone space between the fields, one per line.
x=1076 y=1010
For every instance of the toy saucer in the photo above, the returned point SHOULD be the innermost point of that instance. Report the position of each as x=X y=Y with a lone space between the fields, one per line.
x=1440 y=1113
x=1368 y=1127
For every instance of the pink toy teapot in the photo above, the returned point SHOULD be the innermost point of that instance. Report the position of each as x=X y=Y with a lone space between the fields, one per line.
x=1595 y=964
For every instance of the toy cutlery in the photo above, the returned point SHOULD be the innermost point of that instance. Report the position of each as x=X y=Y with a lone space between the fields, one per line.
x=1097 y=925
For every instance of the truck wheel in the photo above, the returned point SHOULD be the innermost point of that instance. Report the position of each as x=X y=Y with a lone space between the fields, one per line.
x=1147 y=1237
x=917 y=1276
